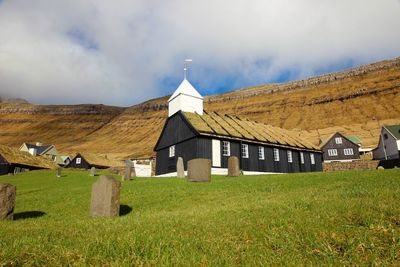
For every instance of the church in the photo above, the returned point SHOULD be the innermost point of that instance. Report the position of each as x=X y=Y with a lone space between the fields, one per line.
x=190 y=132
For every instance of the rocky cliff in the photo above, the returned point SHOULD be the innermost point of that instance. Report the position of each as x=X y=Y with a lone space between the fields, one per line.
x=356 y=101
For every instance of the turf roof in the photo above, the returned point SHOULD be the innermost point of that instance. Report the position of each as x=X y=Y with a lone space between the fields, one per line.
x=232 y=126
x=14 y=156
x=100 y=160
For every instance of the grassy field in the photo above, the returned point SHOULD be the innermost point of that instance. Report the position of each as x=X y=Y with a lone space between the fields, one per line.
x=341 y=218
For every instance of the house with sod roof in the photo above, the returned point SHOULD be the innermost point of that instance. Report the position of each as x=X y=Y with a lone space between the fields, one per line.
x=14 y=161
x=88 y=160
x=190 y=132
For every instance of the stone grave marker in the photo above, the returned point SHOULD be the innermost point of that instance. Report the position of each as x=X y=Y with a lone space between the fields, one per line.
x=199 y=170
x=59 y=169
x=92 y=171
x=128 y=173
x=180 y=170
x=7 y=201
x=233 y=166
x=105 y=197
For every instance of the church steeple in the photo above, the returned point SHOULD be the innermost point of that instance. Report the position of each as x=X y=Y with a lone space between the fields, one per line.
x=185 y=98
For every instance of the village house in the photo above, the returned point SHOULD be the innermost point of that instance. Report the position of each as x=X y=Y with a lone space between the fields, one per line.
x=388 y=144
x=38 y=149
x=14 y=161
x=87 y=161
x=190 y=132
x=342 y=148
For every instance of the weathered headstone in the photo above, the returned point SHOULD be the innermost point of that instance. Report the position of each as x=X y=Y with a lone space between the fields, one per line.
x=59 y=172
x=199 y=170
x=7 y=201
x=233 y=166
x=105 y=197
x=128 y=173
x=92 y=171
x=180 y=170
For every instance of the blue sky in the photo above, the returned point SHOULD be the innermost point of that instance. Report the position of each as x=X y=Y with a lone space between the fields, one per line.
x=71 y=52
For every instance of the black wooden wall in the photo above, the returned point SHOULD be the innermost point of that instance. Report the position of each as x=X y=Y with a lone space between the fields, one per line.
x=175 y=130
x=83 y=165
x=201 y=147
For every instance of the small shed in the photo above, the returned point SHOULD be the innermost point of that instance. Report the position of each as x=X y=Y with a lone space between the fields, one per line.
x=14 y=161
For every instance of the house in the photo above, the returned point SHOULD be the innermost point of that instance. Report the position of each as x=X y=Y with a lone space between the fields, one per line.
x=87 y=161
x=39 y=149
x=389 y=143
x=14 y=161
x=190 y=132
x=339 y=147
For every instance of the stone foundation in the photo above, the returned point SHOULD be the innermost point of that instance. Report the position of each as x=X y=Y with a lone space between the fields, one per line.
x=352 y=165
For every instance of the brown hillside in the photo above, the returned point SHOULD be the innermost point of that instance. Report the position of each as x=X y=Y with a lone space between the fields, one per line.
x=357 y=101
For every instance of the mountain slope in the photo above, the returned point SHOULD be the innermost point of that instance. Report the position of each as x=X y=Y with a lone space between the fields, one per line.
x=356 y=101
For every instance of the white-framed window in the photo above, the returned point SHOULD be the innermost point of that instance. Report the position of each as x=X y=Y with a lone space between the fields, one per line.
x=172 y=151
x=226 y=148
x=245 y=151
x=78 y=160
x=289 y=156
x=261 y=154
x=312 y=159
x=338 y=140
x=348 y=151
x=301 y=157
x=276 y=154
x=332 y=152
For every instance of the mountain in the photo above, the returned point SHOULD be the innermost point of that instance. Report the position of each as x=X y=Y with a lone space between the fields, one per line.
x=356 y=101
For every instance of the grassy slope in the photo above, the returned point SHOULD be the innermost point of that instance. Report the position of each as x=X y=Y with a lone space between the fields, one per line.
x=299 y=219
x=358 y=104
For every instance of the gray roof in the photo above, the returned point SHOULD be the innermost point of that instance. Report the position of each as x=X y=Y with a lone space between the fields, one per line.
x=39 y=149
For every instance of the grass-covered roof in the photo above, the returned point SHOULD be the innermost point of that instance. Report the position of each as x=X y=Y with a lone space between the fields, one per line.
x=233 y=126
x=15 y=156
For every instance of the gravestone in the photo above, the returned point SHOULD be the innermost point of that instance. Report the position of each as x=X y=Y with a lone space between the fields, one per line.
x=92 y=171
x=7 y=201
x=105 y=197
x=199 y=170
x=180 y=170
x=128 y=173
x=59 y=172
x=233 y=166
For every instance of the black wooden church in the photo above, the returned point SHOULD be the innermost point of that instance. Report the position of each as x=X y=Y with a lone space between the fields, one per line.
x=191 y=133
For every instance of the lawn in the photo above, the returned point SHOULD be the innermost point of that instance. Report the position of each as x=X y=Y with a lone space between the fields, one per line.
x=340 y=218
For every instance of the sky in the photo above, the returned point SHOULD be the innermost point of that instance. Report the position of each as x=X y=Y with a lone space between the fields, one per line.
x=128 y=51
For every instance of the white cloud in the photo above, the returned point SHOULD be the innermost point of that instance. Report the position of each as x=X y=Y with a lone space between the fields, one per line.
x=118 y=52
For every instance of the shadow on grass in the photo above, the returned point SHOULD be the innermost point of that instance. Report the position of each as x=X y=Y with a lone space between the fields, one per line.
x=28 y=215
x=124 y=210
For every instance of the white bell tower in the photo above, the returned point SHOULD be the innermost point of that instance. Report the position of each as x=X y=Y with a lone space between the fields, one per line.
x=185 y=98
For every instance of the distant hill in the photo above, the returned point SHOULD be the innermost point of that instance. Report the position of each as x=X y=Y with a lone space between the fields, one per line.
x=356 y=101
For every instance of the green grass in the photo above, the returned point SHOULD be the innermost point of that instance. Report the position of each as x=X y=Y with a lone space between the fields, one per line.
x=340 y=218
